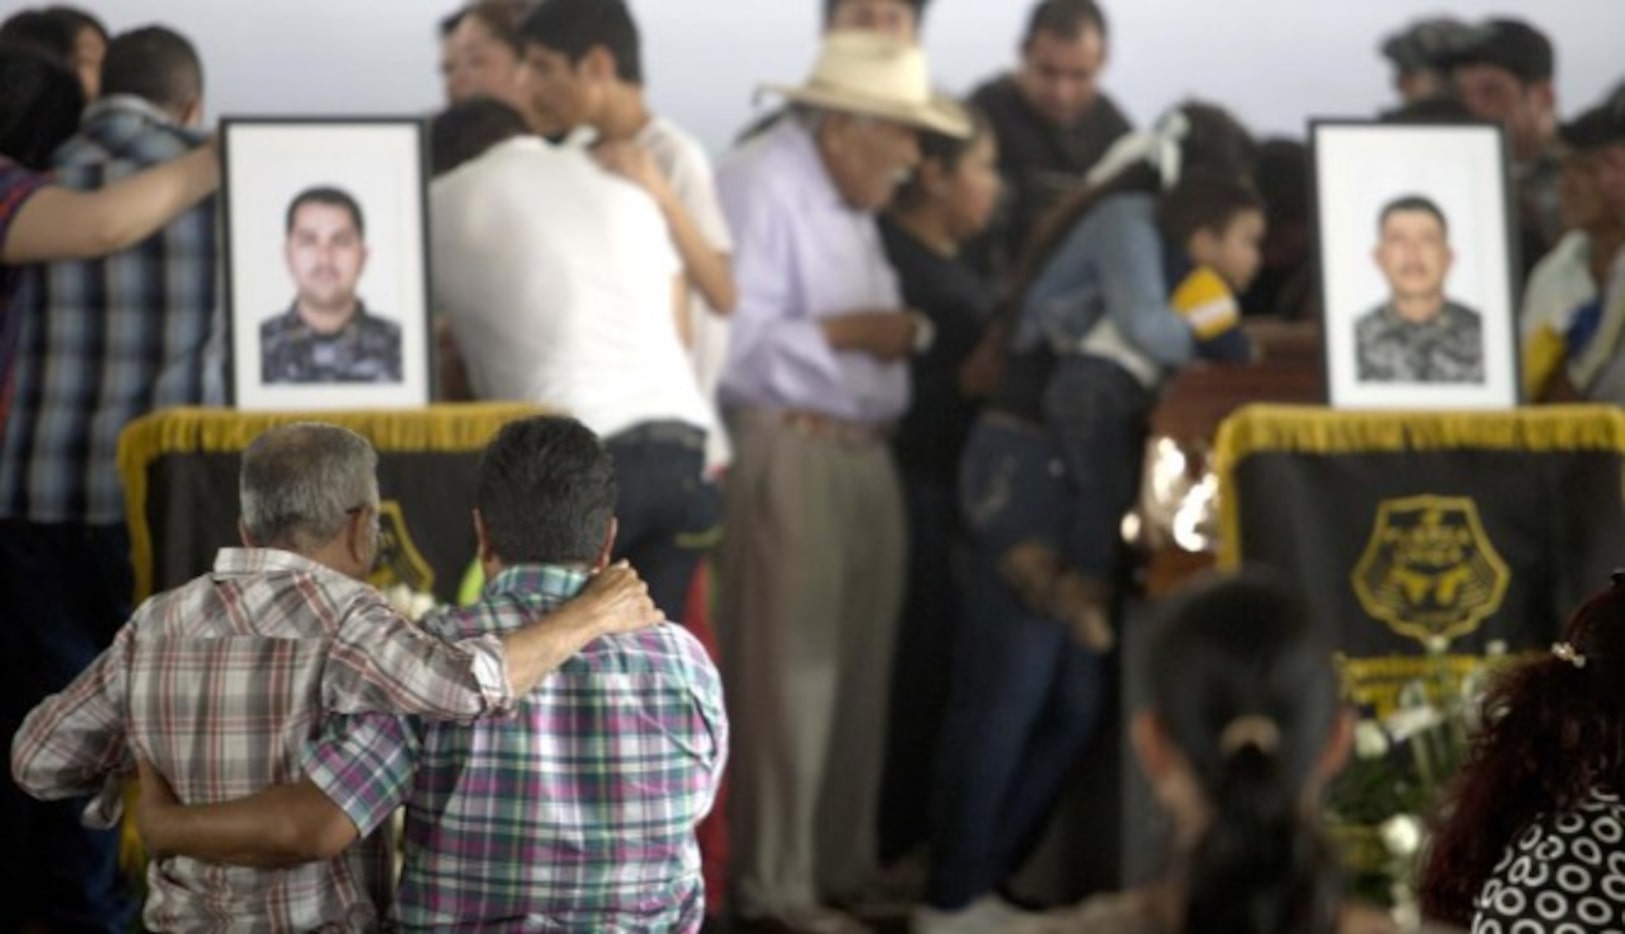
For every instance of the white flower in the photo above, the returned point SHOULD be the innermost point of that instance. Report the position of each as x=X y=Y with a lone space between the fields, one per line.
x=1496 y=648
x=1402 y=835
x=1406 y=723
x=420 y=606
x=1413 y=694
x=1437 y=645
x=412 y=604
x=399 y=597
x=1370 y=742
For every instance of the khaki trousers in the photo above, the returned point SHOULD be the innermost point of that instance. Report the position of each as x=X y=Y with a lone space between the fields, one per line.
x=812 y=584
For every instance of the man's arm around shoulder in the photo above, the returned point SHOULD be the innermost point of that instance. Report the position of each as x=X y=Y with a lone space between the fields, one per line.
x=283 y=826
x=616 y=600
x=403 y=669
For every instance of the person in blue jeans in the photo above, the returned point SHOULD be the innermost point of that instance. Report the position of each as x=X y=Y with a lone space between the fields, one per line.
x=1049 y=470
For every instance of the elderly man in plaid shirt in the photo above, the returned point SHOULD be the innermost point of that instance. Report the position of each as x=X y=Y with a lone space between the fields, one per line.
x=222 y=683
x=578 y=813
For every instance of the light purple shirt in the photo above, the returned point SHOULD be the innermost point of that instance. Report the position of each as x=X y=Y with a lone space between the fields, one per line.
x=801 y=255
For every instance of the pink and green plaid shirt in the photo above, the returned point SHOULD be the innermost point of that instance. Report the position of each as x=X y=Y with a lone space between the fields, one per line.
x=575 y=814
x=223 y=684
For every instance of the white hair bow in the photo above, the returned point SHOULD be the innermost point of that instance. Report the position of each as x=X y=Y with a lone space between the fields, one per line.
x=1158 y=147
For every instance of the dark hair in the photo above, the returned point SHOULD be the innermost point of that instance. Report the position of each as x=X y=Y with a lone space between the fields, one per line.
x=946 y=151
x=918 y=5
x=504 y=18
x=155 y=64
x=78 y=21
x=42 y=32
x=573 y=28
x=1444 y=107
x=546 y=492
x=1234 y=652
x=1215 y=142
x=332 y=197
x=1283 y=179
x=449 y=23
x=1204 y=201
x=1409 y=203
x=1065 y=18
x=465 y=130
x=1551 y=734
x=40 y=108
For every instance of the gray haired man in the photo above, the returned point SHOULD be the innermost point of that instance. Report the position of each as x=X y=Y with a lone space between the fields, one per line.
x=222 y=682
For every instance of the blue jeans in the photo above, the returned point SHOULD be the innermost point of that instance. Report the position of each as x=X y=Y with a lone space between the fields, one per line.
x=1096 y=413
x=667 y=513
x=1013 y=487
x=1025 y=697
x=64 y=591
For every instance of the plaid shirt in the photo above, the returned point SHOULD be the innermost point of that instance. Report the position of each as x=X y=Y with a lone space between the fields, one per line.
x=17 y=185
x=577 y=814
x=224 y=683
x=105 y=341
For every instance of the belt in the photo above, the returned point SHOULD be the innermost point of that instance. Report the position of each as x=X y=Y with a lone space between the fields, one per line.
x=1013 y=421
x=665 y=432
x=830 y=428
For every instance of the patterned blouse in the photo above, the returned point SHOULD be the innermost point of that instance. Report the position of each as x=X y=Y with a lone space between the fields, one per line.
x=1562 y=875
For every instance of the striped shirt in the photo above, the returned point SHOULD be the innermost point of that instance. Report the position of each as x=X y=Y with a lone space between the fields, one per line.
x=105 y=341
x=577 y=814
x=223 y=684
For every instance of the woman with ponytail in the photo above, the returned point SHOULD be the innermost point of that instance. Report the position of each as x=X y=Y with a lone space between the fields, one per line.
x=1244 y=727
x=1532 y=836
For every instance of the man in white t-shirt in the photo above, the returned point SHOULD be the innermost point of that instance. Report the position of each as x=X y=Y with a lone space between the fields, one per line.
x=586 y=81
x=560 y=281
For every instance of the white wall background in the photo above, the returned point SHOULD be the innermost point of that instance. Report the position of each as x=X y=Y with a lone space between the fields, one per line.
x=1274 y=62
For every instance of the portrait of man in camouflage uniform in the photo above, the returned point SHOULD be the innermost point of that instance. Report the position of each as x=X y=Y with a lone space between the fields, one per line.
x=327 y=335
x=1419 y=335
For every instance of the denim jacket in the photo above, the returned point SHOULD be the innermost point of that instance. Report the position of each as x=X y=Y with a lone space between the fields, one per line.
x=1108 y=275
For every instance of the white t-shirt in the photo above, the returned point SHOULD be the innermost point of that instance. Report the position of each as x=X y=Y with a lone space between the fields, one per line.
x=558 y=280
x=688 y=170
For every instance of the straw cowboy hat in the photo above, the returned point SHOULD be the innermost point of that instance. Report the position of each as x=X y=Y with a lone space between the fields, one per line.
x=877 y=76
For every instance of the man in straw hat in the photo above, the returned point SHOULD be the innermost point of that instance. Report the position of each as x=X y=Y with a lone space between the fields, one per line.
x=813 y=561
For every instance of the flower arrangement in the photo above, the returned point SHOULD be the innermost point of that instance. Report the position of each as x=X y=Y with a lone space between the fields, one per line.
x=1402 y=762
x=412 y=604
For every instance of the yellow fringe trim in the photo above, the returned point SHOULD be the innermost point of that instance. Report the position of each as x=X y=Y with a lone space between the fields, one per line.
x=440 y=428
x=1268 y=429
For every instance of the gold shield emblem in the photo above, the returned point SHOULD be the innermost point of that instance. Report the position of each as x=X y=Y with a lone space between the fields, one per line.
x=398 y=561
x=1429 y=570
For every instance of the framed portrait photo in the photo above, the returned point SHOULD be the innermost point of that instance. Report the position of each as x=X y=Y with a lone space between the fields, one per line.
x=327 y=290
x=1414 y=234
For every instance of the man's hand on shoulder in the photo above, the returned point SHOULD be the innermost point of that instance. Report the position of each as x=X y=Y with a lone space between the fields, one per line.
x=618 y=600
x=633 y=162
